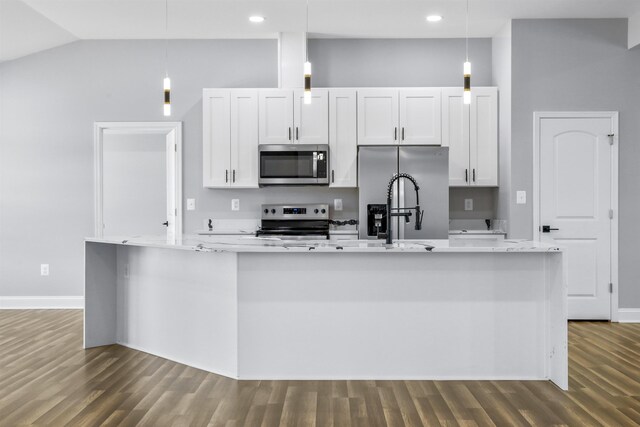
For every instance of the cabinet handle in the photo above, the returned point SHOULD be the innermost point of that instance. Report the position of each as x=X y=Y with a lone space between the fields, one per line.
x=403 y=134
x=466 y=175
x=234 y=175
x=333 y=176
x=395 y=134
x=289 y=133
x=226 y=175
x=474 y=174
x=297 y=134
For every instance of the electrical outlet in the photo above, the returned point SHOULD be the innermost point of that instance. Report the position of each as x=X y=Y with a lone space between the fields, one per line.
x=468 y=204
x=44 y=269
x=191 y=204
x=337 y=204
x=521 y=197
x=235 y=204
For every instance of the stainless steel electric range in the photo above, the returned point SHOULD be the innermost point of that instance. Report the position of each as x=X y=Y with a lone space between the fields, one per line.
x=298 y=222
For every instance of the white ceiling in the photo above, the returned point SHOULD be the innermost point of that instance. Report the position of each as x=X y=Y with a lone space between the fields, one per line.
x=31 y=25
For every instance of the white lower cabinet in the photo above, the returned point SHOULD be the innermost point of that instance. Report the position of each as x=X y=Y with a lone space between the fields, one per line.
x=471 y=133
x=343 y=142
x=230 y=138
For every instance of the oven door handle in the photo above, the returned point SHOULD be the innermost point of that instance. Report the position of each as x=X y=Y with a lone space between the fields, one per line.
x=315 y=164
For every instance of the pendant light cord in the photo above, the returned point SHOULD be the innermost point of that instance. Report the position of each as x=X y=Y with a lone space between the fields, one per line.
x=166 y=37
x=306 y=36
x=467 y=33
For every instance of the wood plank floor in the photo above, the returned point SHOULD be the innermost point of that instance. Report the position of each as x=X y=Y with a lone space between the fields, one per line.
x=46 y=378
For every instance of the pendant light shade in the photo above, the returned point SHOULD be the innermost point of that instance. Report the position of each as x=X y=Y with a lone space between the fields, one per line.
x=166 y=83
x=467 y=65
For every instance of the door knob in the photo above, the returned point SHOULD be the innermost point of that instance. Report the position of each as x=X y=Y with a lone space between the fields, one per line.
x=166 y=223
x=547 y=229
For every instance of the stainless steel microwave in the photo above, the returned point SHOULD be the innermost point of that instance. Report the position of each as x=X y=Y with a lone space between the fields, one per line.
x=293 y=164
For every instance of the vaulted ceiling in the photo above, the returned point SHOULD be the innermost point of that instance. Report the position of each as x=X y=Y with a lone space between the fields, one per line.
x=28 y=26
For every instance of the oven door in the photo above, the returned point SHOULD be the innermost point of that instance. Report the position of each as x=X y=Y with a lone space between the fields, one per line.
x=293 y=164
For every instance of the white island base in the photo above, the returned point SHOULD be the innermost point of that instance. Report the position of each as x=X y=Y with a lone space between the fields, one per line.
x=295 y=313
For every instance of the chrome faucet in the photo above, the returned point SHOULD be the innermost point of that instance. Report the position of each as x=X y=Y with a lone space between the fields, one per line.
x=404 y=212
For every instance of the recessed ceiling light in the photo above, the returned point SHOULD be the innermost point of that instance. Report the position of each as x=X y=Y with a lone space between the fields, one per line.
x=434 y=18
x=256 y=18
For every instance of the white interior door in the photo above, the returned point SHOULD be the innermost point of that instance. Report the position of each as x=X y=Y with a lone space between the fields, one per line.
x=276 y=116
x=134 y=184
x=575 y=202
x=311 y=121
x=420 y=122
x=377 y=116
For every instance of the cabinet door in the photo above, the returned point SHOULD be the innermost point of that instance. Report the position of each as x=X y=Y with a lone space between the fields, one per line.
x=244 y=138
x=420 y=117
x=311 y=121
x=455 y=135
x=483 y=140
x=377 y=117
x=216 y=138
x=343 y=144
x=276 y=116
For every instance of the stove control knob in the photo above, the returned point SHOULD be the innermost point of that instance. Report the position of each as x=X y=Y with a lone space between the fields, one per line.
x=273 y=211
x=266 y=211
x=315 y=211
x=323 y=211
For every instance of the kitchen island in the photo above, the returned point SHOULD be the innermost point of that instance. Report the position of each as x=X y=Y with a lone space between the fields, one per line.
x=253 y=308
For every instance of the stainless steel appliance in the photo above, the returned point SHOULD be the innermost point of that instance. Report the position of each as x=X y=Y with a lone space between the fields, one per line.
x=293 y=164
x=303 y=221
x=429 y=166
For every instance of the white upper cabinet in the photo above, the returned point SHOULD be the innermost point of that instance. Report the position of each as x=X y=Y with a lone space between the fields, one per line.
x=377 y=116
x=276 y=116
x=311 y=121
x=343 y=144
x=420 y=121
x=483 y=138
x=216 y=137
x=471 y=133
x=230 y=138
x=244 y=138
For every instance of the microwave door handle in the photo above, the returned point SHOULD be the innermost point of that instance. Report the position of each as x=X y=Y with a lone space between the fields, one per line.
x=315 y=164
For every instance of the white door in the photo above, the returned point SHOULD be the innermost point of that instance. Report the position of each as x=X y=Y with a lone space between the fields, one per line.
x=134 y=184
x=377 y=116
x=276 y=116
x=244 y=138
x=455 y=135
x=575 y=202
x=343 y=144
x=216 y=138
x=420 y=117
x=311 y=121
x=483 y=136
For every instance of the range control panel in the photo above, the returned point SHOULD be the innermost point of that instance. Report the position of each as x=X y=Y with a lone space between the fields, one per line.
x=302 y=211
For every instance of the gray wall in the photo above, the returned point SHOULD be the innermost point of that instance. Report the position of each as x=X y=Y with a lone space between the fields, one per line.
x=579 y=65
x=50 y=100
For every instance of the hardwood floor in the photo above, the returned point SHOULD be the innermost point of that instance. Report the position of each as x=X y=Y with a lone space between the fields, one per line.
x=46 y=378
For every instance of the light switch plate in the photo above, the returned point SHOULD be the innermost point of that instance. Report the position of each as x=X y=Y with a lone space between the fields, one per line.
x=337 y=204
x=191 y=204
x=235 y=204
x=521 y=197
x=44 y=269
x=468 y=204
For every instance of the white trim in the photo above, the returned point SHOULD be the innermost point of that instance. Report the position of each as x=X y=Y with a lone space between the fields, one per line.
x=629 y=315
x=41 y=302
x=613 y=116
x=171 y=129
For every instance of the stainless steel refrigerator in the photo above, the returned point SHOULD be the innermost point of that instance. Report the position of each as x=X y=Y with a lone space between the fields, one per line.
x=428 y=165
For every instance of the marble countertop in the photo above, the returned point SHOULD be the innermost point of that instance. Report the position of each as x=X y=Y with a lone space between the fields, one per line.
x=478 y=232
x=269 y=244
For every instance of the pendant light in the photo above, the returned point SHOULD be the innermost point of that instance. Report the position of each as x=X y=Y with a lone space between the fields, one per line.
x=467 y=64
x=166 y=83
x=307 y=64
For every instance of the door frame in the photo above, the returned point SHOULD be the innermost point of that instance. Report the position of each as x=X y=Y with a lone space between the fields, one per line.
x=613 y=116
x=172 y=130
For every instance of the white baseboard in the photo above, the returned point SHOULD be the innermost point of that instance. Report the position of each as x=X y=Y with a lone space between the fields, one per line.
x=54 y=302
x=629 y=315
